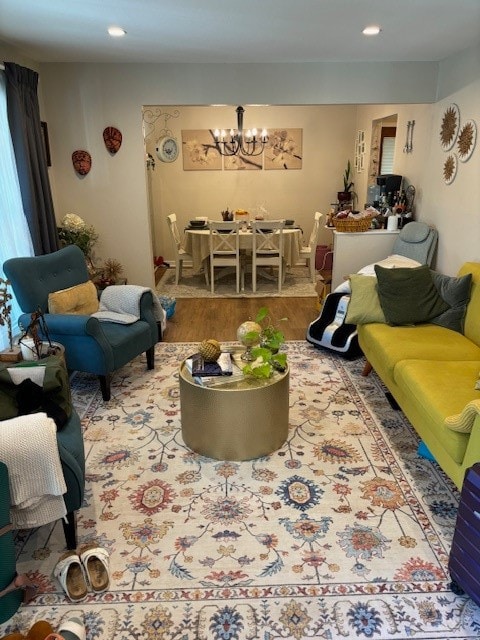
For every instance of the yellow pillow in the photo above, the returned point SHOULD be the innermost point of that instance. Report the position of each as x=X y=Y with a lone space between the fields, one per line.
x=81 y=299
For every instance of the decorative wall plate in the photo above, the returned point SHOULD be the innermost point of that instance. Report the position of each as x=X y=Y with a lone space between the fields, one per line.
x=450 y=168
x=466 y=140
x=449 y=127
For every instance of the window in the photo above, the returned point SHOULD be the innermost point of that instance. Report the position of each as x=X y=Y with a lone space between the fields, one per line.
x=16 y=239
x=387 y=150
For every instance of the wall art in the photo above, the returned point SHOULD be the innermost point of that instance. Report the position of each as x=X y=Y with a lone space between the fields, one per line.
x=82 y=162
x=199 y=151
x=450 y=168
x=449 y=127
x=283 y=149
x=243 y=163
x=112 y=138
x=467 y=137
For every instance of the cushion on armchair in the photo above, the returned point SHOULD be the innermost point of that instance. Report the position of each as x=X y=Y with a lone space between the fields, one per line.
x=81 y=299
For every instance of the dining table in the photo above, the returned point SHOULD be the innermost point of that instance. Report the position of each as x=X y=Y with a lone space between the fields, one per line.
x=197 y=244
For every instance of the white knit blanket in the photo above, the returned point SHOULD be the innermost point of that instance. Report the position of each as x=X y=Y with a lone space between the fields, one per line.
x=28 y=446
x=122 y=304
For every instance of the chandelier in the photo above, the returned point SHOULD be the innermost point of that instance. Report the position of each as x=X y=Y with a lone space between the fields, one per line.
x=247 y=143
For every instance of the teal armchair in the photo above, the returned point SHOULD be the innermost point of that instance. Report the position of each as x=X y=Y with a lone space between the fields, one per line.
x=92 y=346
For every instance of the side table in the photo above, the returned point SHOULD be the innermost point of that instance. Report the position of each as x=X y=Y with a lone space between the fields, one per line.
x=237 y=420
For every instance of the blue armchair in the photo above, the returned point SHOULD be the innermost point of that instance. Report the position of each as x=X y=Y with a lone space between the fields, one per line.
x=90 y=345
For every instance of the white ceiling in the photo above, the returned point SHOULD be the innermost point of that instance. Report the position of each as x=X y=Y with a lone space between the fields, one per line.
x=242 y=31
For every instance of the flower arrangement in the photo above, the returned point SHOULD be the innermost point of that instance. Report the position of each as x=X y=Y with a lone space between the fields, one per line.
x=74 y=230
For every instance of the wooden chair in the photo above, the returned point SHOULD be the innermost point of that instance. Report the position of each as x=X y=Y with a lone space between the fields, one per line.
x=180 y=254
x=308 y=252
x=267 y=248
x=225 y=250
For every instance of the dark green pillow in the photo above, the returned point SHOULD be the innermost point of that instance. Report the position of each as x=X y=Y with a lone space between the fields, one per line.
x=408 y=295
x=456 y=292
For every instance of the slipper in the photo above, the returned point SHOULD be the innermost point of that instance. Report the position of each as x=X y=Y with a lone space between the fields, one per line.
x=70 y=573
x=95 y=562
x=72 y=629
x=40 y=630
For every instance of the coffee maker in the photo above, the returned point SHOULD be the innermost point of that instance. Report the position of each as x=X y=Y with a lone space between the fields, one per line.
x=390 y=185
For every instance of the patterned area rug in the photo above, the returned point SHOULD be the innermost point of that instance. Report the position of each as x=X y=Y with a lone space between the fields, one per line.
x=343 y=533
x=297 y=284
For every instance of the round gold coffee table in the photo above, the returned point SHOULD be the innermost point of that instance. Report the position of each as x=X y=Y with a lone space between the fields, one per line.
x=238 y=420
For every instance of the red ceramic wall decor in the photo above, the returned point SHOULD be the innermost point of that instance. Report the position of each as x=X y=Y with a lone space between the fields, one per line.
x=113 y=139
x=82 y=162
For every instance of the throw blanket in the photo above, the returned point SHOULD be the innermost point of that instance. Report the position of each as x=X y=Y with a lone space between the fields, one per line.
x=28 y=446
x=391 y=262
x=122 y=304
x=463 y=422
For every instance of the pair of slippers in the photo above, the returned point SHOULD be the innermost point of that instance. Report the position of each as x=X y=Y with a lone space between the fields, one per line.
x=72 y=629
x=81 y=572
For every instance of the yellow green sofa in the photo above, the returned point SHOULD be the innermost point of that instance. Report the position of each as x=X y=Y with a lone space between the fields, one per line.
x=431 y=372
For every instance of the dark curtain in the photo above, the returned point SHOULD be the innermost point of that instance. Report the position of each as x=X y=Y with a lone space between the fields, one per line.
x=30 y=155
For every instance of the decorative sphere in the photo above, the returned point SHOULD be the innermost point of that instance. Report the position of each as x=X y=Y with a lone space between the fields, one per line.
x=210 y=350
x=248 y=327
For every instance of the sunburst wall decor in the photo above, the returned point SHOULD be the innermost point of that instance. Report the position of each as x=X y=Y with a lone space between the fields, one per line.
x=466 y=140
x=450 y=168
x=449 y=127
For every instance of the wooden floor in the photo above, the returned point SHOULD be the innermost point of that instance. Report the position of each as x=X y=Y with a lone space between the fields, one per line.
x=197 y=319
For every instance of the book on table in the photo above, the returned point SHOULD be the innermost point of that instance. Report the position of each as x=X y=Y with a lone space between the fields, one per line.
x=222 y=367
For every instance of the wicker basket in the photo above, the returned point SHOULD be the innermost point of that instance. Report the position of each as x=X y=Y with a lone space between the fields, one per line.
x=351 y=225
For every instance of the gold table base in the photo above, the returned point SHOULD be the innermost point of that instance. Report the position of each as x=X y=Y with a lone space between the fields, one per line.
x=238 y=421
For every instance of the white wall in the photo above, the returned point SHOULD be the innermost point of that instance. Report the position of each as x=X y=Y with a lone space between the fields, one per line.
x=82 y=99
x=328 y=136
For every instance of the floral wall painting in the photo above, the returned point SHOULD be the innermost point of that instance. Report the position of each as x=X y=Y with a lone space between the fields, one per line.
x=283 y=149
x=242 y=163
x=199 y=151
x=82 y=162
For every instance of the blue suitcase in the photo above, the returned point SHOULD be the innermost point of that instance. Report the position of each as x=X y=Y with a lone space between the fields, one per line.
x=464 y=561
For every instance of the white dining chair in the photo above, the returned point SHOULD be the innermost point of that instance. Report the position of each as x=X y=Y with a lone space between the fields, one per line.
x=308 y=251
x=267 y=248
x=225 y=250
x=180 y=254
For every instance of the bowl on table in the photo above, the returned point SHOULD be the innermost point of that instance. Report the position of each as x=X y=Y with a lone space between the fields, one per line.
x=197 y=224
x=289 y=223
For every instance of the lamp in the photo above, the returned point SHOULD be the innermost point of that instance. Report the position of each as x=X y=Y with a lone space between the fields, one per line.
x=247 y=143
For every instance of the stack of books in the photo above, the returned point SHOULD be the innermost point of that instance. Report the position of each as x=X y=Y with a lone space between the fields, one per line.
x=210 y=374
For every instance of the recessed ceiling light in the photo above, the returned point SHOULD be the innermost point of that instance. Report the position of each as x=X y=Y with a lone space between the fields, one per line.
x=116 y=32
x=371 y=30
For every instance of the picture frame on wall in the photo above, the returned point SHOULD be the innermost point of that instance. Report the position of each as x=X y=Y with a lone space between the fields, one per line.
x=284 y=149
x=199 y=151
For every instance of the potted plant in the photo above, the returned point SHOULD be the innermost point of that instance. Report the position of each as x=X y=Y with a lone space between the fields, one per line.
x=266 y=356
x=346 y=195
x=12 y=354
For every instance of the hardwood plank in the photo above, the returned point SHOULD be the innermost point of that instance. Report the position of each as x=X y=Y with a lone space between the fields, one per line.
x=197 y=319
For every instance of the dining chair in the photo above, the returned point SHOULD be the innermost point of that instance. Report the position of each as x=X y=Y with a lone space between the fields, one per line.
x=308 y=252
x=180 y=254
x=225 y=250
x=267 y=248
